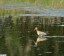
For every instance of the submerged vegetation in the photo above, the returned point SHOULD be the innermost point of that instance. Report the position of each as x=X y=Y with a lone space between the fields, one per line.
x=16 y=36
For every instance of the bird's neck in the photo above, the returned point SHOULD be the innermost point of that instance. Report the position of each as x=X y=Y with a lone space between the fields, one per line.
x=38 y=32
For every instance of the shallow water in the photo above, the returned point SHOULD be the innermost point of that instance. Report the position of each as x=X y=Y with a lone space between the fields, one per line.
x=16 y=36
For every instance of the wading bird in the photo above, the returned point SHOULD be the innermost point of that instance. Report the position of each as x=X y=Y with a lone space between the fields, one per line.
x=40 y=36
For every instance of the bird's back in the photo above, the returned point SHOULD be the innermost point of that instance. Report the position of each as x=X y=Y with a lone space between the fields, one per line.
x=41 y=33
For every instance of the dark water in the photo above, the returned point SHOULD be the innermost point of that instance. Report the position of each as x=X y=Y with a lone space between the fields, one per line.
x=17 y=35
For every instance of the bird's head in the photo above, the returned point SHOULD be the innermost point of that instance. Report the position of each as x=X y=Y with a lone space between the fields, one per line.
x=36 y=28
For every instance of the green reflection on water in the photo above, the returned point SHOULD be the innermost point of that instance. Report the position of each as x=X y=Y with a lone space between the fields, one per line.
x=16 y=37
